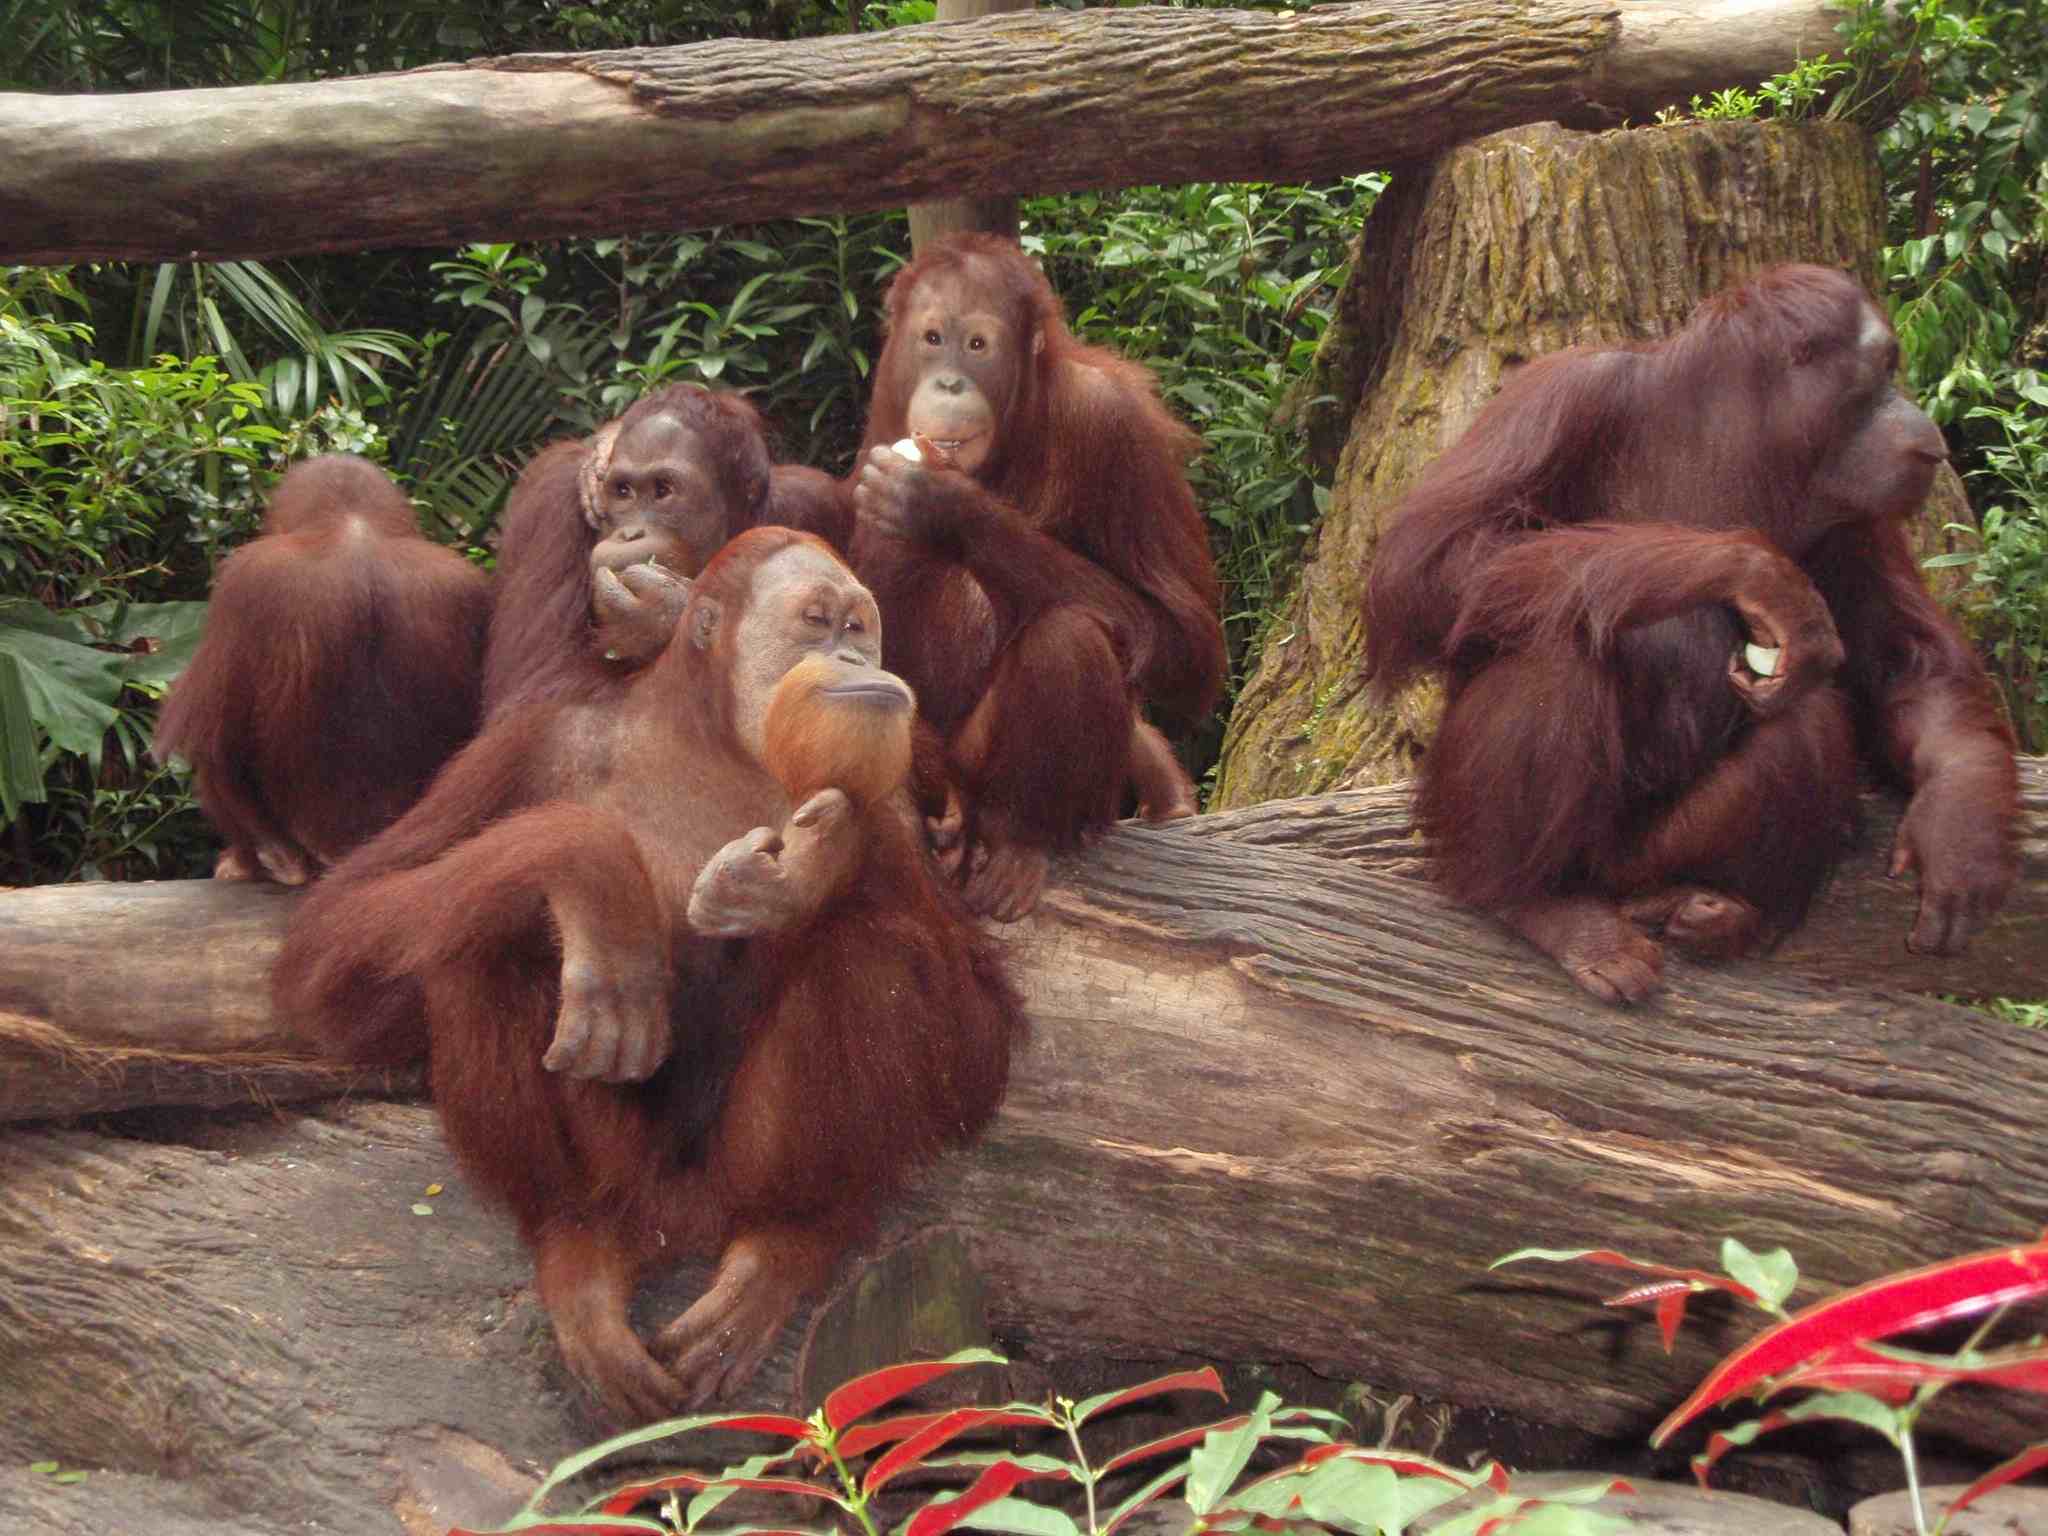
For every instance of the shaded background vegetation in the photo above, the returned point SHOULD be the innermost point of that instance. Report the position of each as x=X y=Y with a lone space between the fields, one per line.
x=144 y=411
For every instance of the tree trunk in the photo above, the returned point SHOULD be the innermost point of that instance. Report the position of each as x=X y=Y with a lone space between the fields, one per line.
x=547 y=145
x=100 y=1011
x=1274 y=1079
x=1501 y=251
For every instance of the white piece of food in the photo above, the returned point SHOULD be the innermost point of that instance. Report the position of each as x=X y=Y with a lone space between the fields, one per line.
x=908 y=448
x=1762 y=659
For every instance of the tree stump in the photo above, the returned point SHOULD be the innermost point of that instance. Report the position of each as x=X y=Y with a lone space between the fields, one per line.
x=1511 y=247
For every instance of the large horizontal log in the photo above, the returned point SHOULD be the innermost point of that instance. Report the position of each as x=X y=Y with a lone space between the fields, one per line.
x=1297 y=1099
x=116 y=995
x=665 y=138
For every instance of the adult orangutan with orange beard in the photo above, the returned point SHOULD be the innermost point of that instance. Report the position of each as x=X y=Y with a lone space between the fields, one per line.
x=1044 y=572
x=686 y=977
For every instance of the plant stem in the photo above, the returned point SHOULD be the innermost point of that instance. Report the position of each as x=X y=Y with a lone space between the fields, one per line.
x=1913 y=1480
x=1081 y=1462
x=858 y=1500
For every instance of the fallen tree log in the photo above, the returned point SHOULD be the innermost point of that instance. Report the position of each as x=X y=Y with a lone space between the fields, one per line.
x=712 y=133
x=116 y=995
x=1293 y=1096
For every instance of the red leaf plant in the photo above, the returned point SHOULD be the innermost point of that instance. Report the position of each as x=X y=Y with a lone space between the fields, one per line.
x=1834 y=1347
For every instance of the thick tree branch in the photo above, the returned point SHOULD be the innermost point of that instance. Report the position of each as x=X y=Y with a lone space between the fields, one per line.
x=664 y=138
x=114 y=995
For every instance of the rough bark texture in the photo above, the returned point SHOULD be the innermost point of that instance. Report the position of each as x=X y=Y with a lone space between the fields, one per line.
x=113 y=995
x=1282 y=1105
x=1524 y=243
x=996 y=215
x=667 y=138
x=99 y=1011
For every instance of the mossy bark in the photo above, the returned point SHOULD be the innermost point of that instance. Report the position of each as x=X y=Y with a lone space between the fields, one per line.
x=1510 y=247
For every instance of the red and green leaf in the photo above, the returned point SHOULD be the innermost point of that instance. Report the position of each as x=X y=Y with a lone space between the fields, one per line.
x=862 y=1438
x=1849 y=1407
x=997 y=1482
x=1894 y=1375
x=1407 y=1464
x=623 y=1498
x=864 y=1394
x=913 y=1448
x=2032 y=1459
x=1203 y=1380
x=1901 y=1303
x=1281 y=1423
x=665 y=1429
x=1695 y=1279
x=1669 y=1297
x=1179 y=1440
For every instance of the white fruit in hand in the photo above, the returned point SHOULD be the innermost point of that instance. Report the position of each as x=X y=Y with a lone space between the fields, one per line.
x=908 y=448
x=1762 y=659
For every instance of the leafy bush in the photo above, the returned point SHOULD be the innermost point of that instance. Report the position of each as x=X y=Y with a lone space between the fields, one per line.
x=1223 y=290
x=118 y=488
x=1965 y=158
x=1352 y=1488
x=2009 y=566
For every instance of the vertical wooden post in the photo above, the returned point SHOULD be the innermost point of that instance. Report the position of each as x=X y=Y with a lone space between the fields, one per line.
x=998 y=215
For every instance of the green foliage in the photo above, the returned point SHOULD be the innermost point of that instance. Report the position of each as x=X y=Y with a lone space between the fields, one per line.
x=1223 y=290
x=788 y=313
x=145 y=44
x=109 y=475
x=1965 y=156
x=77 y=690
x=2025 y=1015
x=306 y=360
x=118 y=488
x=844 y=1458
x=1790 y=97
x=1731 y=104
x=1793 y=95
x=2009 y=565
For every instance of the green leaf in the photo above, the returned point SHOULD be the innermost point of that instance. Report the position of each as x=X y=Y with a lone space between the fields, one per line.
x=1355 y=1496
x=1142 y=1497
x=1217 y=1462
x=1773 y=1275
x=21 y=767
x=1022 y=1516
x=43 y=1468
x=68 y=686
x=158 y=638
